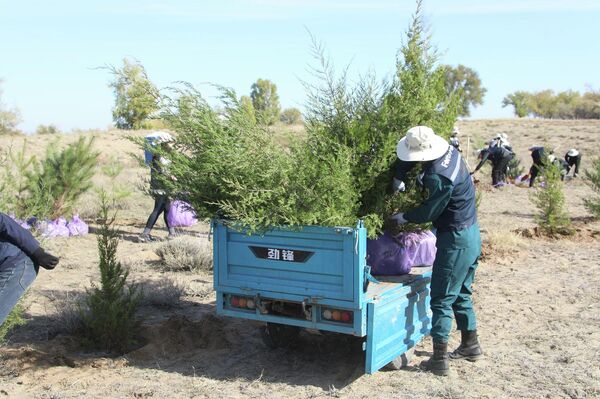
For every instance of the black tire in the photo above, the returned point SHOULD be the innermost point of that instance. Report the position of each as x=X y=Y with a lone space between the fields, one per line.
x=401 y=361
x=279 y=335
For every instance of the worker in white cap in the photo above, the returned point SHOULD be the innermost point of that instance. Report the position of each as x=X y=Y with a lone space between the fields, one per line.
x=501 y=140
x=454 y=141
x=573 y=159
x=450 y=206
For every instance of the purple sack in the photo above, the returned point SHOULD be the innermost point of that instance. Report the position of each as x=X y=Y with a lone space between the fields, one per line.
x=181 y=214
x=54 y=228
x=77 y=227
x=389 y=255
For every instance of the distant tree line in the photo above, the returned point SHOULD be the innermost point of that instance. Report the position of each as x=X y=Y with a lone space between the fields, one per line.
x=547 y=104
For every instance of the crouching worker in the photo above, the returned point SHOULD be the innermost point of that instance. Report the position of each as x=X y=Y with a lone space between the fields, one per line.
x=500 y=157
x=20 y=258
x=451 y=207
x=538 y=156
x=573 y=159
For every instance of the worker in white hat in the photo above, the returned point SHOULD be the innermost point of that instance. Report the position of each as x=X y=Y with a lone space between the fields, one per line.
x=450 y=206
x=573 y=159
x=500 y=140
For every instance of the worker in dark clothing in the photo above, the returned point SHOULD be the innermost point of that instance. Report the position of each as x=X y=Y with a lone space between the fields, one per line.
x=158 y=171
x=450 y=206
x=500 y=157
x=454 y=141
x=20 y=258
x=538 y=155
x=573 y=158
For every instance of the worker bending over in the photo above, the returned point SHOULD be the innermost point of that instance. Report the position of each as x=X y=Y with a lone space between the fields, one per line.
x=450 y=206
x=573 y=159
x=500 y=157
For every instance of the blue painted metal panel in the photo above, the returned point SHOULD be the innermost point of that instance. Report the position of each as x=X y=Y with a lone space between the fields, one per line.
x=397 y=319
x=331 y=272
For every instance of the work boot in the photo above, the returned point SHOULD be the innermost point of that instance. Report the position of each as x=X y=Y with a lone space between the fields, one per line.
x=438 y=363
x=469 y=348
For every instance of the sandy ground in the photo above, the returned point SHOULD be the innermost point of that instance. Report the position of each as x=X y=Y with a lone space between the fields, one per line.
x=538 y=304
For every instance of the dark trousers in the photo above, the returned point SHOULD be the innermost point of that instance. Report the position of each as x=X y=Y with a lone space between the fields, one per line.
x=533 y=172
x=17 y=273
x=161 y=205
x=499 y=170
x=574 y=162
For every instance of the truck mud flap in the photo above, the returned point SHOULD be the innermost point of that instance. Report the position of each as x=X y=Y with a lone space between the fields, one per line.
x=396 y=323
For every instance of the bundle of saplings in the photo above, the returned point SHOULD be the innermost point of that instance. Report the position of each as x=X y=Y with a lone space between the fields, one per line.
x=228 y=166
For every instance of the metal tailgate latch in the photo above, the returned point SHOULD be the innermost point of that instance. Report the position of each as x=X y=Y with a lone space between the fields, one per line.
x=368 y=278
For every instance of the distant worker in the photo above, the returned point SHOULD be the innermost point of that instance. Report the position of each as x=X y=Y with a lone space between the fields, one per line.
x=501 y=140
x=561 y=164
x=450 y=206
x=158 y=172
x=500 y=157
x=454 y=142
x=538 y=155
x=573 y=158
x=20 y=259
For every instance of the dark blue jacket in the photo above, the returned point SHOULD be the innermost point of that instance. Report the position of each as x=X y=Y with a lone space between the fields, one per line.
x=14 y=239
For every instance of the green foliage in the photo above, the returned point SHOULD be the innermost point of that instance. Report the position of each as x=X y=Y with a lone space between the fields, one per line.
x=9 y=117
x=248 y=107
x=47 y=129
x=265 y=101
x=109 y=319
x=514 y=168
x=291 y=116
x=564 y=105
x=135 y=96
x=519 y=100
x=592 y=178
x=228 y=165
x=466 y=82
x=116 y=191
x=55 y=183
x=550 y=201
x=14 y=319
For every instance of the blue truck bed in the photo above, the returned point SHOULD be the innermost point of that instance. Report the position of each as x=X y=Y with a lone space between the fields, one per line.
x=318 y=278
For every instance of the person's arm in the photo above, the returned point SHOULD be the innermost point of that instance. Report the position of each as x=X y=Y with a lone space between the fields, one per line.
x=484 y=158
x=402 y=168
x=11 y=232
x=440 y=190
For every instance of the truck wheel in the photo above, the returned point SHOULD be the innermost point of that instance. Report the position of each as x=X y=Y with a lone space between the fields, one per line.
x=279 y=335
x=401 y=361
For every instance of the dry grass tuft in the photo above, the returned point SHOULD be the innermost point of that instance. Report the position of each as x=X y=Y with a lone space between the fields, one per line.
x=185 y=254
x=165 y=293
x=502 y=243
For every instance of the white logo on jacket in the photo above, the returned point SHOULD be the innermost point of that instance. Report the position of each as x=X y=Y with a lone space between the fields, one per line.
x=448 y=157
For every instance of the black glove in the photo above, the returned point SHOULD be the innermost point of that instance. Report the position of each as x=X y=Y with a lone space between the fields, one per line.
x=42 y=258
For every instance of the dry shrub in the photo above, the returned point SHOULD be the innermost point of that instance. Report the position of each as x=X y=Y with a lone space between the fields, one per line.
x=162 y=293
x=502 y=243
x=185 y=254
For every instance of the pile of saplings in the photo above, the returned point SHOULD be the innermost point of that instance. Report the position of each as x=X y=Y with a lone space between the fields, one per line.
x=229 y=167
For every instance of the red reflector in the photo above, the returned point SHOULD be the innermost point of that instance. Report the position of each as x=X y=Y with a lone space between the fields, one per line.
x=346 y=317
x=235 y=301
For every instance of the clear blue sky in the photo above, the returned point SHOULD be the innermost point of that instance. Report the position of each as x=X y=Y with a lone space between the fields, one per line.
x=49 y=49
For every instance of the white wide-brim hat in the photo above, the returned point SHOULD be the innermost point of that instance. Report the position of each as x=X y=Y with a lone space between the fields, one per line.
x=421 y=144
x=160 y=137
x=573 y=152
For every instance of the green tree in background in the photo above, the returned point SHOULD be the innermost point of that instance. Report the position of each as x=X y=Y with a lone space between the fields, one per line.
x=248 y=107
x=265 y=101
x=291 y=116
x=9 y=117
x=135 y=96
x=519 y=100
x=466 y=82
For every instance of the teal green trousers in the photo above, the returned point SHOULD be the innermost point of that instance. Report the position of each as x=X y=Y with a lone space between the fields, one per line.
x=453 y=273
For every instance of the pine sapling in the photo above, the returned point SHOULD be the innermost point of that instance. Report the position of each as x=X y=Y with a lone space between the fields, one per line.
x=592 y=178
x=550 y=201
x=109 y=318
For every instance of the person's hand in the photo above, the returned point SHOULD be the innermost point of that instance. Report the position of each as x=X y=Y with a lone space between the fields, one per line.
x=472 y=173
x=398 y=186
x=44 y=259
x=398 y=218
